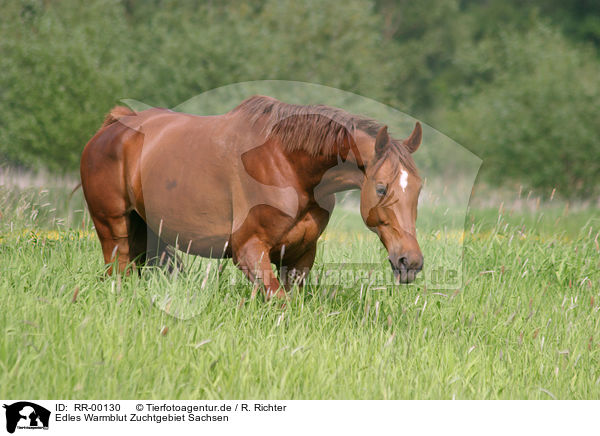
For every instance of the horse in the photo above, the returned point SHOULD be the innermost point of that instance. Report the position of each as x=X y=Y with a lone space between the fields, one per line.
x=256 y=184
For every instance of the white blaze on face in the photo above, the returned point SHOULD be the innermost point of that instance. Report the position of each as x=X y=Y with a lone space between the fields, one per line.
x=403 y=180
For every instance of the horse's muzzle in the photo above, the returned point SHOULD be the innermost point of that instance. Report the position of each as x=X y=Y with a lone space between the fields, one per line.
x=406 y=266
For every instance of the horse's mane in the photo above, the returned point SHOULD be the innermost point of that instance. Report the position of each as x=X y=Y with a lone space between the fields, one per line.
x=316 y=129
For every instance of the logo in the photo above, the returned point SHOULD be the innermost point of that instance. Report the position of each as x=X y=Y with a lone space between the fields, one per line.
x=26 y=415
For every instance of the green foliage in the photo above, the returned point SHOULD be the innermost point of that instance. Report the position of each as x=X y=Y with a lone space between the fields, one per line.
x=61 y=68
x=198 y=49
x=65 y=64
x=425 y=35
x=521 y=94
x=532 y=110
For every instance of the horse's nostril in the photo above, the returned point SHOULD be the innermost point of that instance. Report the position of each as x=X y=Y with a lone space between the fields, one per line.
x=411 y=262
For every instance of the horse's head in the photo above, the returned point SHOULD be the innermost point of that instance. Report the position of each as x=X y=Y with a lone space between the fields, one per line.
x=389 y=198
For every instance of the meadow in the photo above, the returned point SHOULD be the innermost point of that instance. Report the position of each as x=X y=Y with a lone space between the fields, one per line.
x=523 y=325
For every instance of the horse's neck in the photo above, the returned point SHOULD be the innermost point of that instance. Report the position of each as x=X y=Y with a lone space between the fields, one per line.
x=347 y=173
x=341 y=177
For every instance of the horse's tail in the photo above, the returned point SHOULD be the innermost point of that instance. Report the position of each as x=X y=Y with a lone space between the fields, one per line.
x=116 y=113
x=74 y=190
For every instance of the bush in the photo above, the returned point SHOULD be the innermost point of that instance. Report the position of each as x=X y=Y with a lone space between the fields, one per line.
x=532 y=111
x=65 y=63
x=62 y=67
x=522 y=96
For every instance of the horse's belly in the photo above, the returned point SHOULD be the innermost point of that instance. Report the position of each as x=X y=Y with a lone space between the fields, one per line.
x=193 y=215
x=215 y=246
x=187 y=195
x=196 y=229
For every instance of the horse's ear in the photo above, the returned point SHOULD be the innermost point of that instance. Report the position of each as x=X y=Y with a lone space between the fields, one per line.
x=381 y=141
x=414 y=140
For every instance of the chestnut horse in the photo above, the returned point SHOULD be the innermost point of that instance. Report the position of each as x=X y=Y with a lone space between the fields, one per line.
x=256 y=184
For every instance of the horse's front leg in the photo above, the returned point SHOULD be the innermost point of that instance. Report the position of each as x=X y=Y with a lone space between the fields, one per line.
x=296 y=271
x=253 y=259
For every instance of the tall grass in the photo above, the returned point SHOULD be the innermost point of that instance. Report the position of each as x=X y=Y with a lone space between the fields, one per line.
x=523 y=325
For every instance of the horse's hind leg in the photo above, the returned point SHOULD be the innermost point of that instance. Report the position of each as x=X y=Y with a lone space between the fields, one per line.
x=137 y=232
x=113 y=233
x=128 y=240
x=122 y=235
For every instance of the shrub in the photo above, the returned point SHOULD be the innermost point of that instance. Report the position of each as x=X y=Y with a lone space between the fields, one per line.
x=62 y=67
x=65 y=63
x=532 y=111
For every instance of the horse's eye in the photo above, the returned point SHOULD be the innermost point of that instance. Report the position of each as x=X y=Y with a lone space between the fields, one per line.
x=381 y=190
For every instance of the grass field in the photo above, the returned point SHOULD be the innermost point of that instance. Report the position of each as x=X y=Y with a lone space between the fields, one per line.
x=525 y=323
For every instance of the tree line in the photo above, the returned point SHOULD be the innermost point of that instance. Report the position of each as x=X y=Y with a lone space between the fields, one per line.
x=515 y=81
